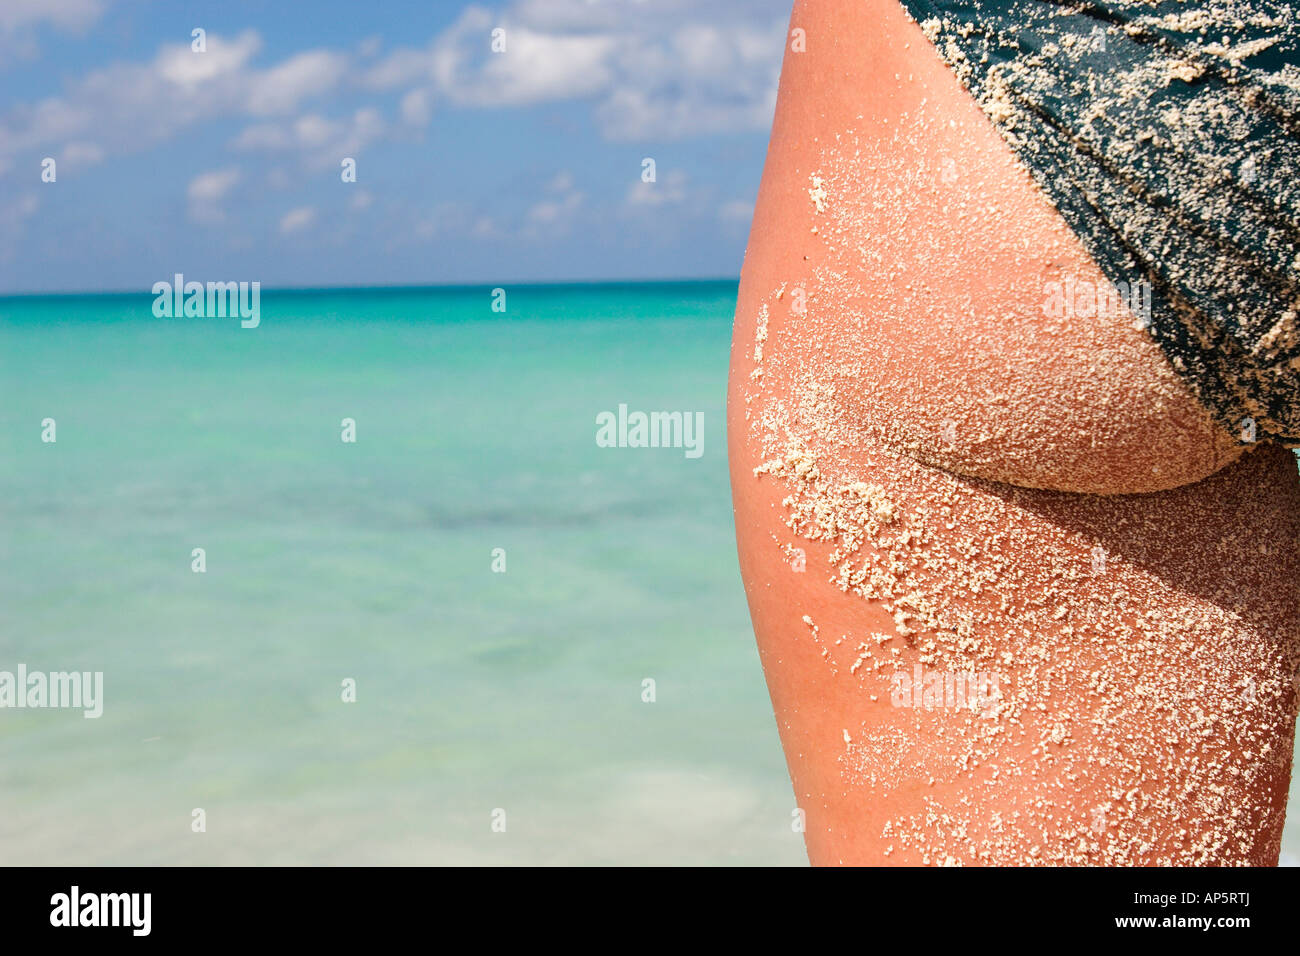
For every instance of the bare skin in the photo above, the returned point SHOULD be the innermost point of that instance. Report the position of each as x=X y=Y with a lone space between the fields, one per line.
x=946 y=248
x=891 y=348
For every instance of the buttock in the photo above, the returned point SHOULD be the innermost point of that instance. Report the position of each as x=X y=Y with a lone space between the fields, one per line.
x=1165 y=134
x=909 y=275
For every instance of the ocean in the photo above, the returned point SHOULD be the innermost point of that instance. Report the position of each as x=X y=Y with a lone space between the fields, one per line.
x=494 y=588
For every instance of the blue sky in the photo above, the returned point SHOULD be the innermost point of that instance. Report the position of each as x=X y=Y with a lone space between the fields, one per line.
x=472 y=166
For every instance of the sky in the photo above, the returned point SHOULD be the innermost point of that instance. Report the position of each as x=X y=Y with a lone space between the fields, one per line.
x=472 y=165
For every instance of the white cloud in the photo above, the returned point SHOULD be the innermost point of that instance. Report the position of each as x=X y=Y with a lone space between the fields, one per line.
x=417 y=107
x=485 y=228
x=647 y=71
x=400 y=68
x=13 y=219
x=650 y=72
x=553 y=214
x=132 y=106
x=180 y=65
x=699 y=79
x=535 y=67
x=321 y=141
x=670 y=189
x=81 y=154
x=663 y=71
x=212 y=186
x=296 y=219
x=556 y=210
x=282 y=88
x=21 y=21
x=206 y=192
x=458 y=218
x=736 y=211
x=551 y=211
x=65 y=14
x=265 y=136
x=557 y=15
x=24 y=208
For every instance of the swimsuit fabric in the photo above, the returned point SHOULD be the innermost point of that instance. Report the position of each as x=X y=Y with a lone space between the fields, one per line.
x=1166 y=134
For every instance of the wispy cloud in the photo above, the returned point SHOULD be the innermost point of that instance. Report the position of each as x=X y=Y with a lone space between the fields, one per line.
x=674 y=70
x=21 y=19
x=66 y=14
x=554 y=213
x=298 y=219
x=669 y=190
x=449 y=128
x=207 y=190
x=128 y=107
x=321 y=141
x=13 y=219
x=211 y=187
x=669 y=72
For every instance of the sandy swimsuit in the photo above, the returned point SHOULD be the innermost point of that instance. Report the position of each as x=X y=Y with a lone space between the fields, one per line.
x=1168 y=135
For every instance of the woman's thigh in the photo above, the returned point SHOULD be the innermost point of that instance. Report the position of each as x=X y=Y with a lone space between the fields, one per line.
x=966 y=671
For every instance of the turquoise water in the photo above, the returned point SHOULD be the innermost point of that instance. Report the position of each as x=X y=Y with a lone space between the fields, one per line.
x=372 y=561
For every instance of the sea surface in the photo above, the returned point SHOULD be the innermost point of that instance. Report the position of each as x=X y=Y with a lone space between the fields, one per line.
x=483 y=698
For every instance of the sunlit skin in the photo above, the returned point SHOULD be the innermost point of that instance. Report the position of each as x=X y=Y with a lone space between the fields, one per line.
x=1146 y=452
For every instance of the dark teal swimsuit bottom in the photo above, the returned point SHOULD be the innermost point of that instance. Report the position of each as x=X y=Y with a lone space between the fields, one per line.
x=1167 y=134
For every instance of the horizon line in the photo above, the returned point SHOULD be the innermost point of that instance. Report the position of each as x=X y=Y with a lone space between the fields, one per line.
x=395 y=287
